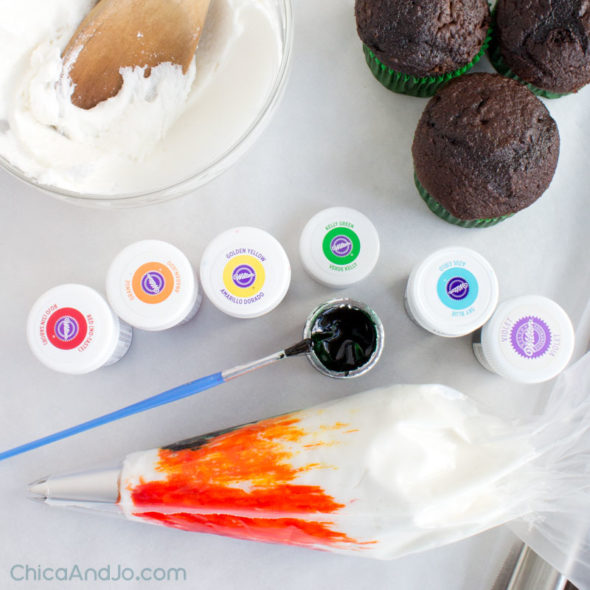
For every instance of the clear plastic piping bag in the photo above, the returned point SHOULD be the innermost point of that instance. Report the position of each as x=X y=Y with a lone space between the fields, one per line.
x=398 y=470
x=559 y=531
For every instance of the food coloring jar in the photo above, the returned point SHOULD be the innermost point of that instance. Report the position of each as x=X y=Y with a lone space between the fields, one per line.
x=152 y=286
x=529 y=339
x=347 y=338
x=339 y=246
x=451 y=293
x=72 y=329
x=245 y=272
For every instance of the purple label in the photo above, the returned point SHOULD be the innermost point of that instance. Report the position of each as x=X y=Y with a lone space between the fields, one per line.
x=341 y=246
x=243 y=276
x=457 y=288
x=153 y=282
x=530 y=337
x=66 y=328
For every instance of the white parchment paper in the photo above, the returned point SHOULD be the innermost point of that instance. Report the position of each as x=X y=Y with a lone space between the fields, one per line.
x=338 y=138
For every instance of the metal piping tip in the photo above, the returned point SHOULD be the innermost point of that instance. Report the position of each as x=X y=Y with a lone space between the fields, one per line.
x=96 y=485
x=38 y=489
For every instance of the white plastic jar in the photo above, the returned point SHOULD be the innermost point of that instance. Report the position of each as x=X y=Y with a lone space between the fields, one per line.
x=72 y=329
x=529 y=339
x=452 y=292
x=152 y=285
x=339 y=246
x=245 y=272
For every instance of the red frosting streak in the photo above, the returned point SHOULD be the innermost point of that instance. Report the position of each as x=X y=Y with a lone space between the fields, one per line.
x=245 y=483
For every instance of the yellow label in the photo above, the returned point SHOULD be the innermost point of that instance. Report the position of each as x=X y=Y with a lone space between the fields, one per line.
x=244 y=276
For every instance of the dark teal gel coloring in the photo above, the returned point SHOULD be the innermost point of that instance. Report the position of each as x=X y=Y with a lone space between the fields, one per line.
x=344 y=338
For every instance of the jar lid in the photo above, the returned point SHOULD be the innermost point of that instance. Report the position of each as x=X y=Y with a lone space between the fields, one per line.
x=339 y=246
x=245 y=272
x=72 y=329
x=529 y=339
x=453 y=292
x=152 y=285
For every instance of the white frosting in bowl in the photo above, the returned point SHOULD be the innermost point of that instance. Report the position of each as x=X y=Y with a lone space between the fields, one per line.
x=158 y=131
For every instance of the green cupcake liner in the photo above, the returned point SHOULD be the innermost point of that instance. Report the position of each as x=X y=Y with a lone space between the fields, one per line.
x=441 y=212
x=407 y=84
x=496 y=59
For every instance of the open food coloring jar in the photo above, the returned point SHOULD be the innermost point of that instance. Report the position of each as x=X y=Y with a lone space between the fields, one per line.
x=245 y=272
x=72 y=329
x=339 y=246
x=529 y=339
x=152 y=285
x=347 y=338
x=451 y=293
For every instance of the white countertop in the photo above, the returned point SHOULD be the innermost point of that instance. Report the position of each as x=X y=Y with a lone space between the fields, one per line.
x=338 y=138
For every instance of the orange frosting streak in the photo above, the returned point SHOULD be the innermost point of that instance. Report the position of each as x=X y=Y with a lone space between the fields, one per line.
x=247 y=471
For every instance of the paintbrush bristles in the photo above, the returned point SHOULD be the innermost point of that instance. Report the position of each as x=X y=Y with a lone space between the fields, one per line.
x=302 y=347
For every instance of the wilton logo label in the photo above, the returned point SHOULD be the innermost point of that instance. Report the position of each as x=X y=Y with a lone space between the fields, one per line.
x=457 y=288
x=244 y=276
x=530 y=337
x=341 y=246
x=153 y=282
x=66 y=328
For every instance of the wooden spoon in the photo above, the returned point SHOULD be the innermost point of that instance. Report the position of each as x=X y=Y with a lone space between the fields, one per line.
x=123 y=33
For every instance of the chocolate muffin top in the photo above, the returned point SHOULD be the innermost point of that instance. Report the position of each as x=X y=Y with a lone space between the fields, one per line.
x=485 y=147
x=423 y=37
x=546 y=42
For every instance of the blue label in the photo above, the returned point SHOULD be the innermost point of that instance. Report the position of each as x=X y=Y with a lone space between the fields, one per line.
x=457 y=288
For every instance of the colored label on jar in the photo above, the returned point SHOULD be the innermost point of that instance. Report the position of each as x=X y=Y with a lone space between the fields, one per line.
x=153 y=282
x=66 y=328
x=457 y=288
x=530 y=337
x=244 y=276
x=341 y=246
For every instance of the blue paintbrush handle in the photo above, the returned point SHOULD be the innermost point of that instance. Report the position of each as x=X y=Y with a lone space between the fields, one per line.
x=160 y=399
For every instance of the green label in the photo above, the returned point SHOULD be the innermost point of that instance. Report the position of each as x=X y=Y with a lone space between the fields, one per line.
x=341 y=246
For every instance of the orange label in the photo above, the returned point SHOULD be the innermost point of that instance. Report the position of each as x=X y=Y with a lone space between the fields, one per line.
x=152 y=282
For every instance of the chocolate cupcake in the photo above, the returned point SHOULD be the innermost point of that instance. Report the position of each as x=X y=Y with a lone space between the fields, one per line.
x=416 y=47
x=543 y=43
x=485 y=148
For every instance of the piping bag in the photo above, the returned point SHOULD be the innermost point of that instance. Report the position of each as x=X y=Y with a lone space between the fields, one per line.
x=560 y=531
x=381 y=474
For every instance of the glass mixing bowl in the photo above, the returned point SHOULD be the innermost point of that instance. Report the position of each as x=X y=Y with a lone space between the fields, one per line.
x=221 y=156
